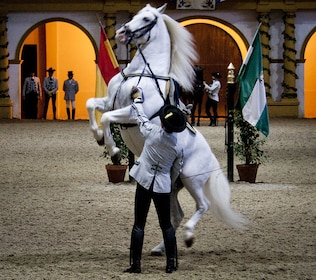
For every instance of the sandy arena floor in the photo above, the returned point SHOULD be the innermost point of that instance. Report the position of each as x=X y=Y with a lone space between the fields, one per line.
x=61 y=219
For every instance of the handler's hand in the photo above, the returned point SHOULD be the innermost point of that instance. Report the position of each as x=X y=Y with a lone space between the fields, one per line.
x=138 y=100
x=135 y=93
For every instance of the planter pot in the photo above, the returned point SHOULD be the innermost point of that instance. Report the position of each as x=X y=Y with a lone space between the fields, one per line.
x=247 y=172
x=116 y=173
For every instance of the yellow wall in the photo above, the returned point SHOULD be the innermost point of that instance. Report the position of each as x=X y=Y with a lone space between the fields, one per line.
x=309 y=81
x=69 y=49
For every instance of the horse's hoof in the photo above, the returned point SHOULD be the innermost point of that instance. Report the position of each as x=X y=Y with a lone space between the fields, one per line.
x=159 y=250
x=189 y=242
x=156 y=253
x=101 y=142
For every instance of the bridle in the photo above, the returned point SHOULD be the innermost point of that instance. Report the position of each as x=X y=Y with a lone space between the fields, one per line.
x=136 y=34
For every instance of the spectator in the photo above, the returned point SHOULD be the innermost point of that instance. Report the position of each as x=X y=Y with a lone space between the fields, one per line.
x=71 y=87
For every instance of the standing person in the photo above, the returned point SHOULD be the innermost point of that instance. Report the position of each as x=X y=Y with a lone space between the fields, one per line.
x=213 y=97
x=157 y=167
x=71 y=87
x=198 y=93
x=32 y=91
x=50 y=87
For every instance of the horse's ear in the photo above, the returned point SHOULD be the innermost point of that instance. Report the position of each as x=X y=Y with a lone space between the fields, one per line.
x=162 y=8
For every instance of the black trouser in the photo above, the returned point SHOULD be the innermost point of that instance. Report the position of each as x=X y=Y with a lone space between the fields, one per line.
x=31 y=99
x=142 y=203
x=47 y=98
x=143 y=199
x=210 y=103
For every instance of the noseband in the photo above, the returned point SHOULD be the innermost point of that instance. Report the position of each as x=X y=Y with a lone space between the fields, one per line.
x=138 y=33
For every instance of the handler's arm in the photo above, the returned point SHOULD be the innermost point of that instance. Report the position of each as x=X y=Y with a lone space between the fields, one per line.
x=142 y=120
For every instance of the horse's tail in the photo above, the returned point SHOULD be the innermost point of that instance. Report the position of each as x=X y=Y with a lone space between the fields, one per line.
x=218 y=192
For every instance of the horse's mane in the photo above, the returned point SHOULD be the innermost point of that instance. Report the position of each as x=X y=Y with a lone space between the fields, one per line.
x=183 y=54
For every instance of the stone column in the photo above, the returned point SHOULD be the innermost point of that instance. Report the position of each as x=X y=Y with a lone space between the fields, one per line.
x=264 y=19
x=288 y=105
x=110 y=22
x=289 y=56
x=5 y=102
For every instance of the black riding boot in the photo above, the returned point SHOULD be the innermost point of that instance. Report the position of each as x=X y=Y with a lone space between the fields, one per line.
x=214 y=121
x=136 y=250
x=171 y=250
x=211 y=122
x=68 y=113
x=73 y=113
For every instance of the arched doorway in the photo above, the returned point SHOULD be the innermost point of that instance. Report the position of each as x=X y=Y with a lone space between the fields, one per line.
x=65 y=47
x=309 y=74
x=216 y=48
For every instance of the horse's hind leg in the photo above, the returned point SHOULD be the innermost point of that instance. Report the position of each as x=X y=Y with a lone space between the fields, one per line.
x=202 y=205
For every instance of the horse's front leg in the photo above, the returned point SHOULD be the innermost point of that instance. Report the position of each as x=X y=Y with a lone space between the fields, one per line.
x=117 y=116
x=101 y=105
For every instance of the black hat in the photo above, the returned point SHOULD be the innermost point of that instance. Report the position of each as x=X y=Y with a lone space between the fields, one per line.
x=217 y=75
x=70 y=73
x=50 y=69
x=172 y=118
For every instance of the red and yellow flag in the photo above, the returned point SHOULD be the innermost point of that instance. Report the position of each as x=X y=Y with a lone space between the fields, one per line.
x=107 y=65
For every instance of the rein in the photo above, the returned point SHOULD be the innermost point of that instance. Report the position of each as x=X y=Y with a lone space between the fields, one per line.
x=152 y=73
x=145 y=29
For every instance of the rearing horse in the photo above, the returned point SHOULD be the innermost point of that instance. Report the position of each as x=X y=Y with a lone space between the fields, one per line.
x=166 y=52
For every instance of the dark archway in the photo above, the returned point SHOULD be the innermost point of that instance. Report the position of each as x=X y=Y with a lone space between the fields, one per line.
x=217 y=48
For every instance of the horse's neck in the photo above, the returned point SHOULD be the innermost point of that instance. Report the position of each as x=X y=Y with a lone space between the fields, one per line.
x=157 y=56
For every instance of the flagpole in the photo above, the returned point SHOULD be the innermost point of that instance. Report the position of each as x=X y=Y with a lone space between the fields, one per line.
x=99 y=21
x=252 y=94
x=131 y=156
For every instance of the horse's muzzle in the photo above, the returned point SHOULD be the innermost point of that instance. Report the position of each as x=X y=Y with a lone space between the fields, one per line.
x=123 y=35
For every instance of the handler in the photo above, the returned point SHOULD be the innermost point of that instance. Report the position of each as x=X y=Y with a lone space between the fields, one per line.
x=159 y=163
x=213 y=97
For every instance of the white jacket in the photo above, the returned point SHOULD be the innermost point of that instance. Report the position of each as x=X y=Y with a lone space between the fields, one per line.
x=213 y=90
x=161 y=155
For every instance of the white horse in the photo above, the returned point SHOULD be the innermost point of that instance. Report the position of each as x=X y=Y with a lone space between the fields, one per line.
x=166 y=52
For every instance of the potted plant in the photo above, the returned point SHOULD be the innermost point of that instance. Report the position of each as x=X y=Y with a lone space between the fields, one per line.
x=116 y=171
x=248 y=148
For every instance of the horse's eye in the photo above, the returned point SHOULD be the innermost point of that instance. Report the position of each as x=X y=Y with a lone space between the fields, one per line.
x=146 y=19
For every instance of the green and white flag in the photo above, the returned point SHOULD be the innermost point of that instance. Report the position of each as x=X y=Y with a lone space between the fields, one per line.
x=252 y=93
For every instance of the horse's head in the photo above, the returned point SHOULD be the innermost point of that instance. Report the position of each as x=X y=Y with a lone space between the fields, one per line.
x=138 y=29
x=166 y=45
